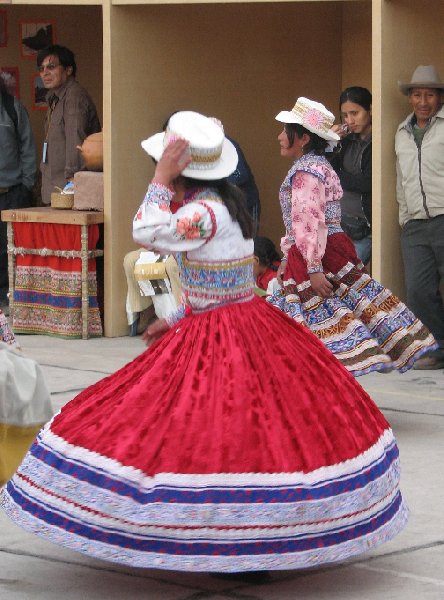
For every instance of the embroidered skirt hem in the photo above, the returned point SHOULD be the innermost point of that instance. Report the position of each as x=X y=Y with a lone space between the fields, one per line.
x=216 y=522
x=363 y=323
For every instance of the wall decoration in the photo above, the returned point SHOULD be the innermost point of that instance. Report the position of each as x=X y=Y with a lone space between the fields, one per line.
x=3 y=28
x=38 y=93
x=34 y=36
x=10 y=76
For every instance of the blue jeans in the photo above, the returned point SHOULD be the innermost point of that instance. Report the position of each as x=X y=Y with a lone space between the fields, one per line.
x=422 y=243
x=364 y=248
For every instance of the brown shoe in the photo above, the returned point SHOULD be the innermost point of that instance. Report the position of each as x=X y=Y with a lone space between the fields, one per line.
x=429 y=363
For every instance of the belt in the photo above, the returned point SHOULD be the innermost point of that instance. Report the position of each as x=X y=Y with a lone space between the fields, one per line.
x=4 y=190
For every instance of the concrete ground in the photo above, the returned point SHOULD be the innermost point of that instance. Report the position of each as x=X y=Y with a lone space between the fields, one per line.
x=411 y=567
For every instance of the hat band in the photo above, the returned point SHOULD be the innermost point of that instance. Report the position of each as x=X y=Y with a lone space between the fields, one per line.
x=200 y=160
x=313 y=118
x=205 y=161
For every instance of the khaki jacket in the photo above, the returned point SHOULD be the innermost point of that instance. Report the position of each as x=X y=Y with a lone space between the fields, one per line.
x=72 y=120
x=420 y=171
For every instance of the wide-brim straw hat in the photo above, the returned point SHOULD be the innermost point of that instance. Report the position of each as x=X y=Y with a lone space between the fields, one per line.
x=425 y=76
x=311 y=115
x=212 y=155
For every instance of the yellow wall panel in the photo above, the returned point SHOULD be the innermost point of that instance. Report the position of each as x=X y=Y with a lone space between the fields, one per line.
x=241 y=63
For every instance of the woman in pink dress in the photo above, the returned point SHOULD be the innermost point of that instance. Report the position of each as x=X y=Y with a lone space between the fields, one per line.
x=324 y=284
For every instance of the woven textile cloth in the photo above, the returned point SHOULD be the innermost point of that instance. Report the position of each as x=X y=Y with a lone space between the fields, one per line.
x=48 y=289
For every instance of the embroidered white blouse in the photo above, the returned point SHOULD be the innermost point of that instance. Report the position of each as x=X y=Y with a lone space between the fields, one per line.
x=215 y=261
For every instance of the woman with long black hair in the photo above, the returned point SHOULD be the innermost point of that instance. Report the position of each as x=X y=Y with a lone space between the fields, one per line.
x=353 y=163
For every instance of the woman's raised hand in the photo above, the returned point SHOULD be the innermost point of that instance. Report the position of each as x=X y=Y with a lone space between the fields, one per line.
x=341 y=129
x=175 y=158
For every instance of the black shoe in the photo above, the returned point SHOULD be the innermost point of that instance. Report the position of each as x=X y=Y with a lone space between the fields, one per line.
x=251 y=577
x=429 y=363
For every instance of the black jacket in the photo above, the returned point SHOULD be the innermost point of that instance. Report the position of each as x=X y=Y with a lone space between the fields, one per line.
x=362 y=184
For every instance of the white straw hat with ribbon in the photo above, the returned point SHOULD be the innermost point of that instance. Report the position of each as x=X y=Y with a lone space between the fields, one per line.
x=424 y=76
x=311 y=115
x=212 y=155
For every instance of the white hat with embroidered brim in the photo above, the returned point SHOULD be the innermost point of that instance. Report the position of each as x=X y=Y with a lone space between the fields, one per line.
x=212 y=155
x=311 y=115
x=425 y=76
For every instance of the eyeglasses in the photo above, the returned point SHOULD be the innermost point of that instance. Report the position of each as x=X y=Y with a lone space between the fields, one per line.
x=49 y=67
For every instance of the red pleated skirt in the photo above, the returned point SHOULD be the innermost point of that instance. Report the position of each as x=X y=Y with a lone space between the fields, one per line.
x=236 y=442
x=248 y=398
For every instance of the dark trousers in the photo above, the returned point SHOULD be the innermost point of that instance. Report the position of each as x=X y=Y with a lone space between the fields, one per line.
x=422 y=243
x=17 y=197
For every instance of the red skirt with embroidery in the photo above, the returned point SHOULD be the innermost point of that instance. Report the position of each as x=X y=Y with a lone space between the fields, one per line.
x=236 y=442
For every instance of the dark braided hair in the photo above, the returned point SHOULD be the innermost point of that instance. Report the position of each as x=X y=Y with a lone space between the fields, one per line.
x=316 y=143
x=234 y=200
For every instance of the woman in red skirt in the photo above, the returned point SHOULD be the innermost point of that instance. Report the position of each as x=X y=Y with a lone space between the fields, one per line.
x=324 y=284
x=236 y=441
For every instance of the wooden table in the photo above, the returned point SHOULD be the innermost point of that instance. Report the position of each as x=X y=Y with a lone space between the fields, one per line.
x=57 y=217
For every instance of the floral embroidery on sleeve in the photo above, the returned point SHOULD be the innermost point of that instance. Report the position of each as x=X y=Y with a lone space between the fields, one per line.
x=156 y=227
x=190 y=228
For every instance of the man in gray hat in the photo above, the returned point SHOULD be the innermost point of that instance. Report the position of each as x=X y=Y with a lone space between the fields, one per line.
x=419 y=145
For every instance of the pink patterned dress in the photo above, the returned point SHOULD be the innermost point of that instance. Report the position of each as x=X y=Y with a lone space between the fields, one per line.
x=363 y=323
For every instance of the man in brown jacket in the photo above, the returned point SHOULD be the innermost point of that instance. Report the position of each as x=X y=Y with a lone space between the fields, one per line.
x=71 y=117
